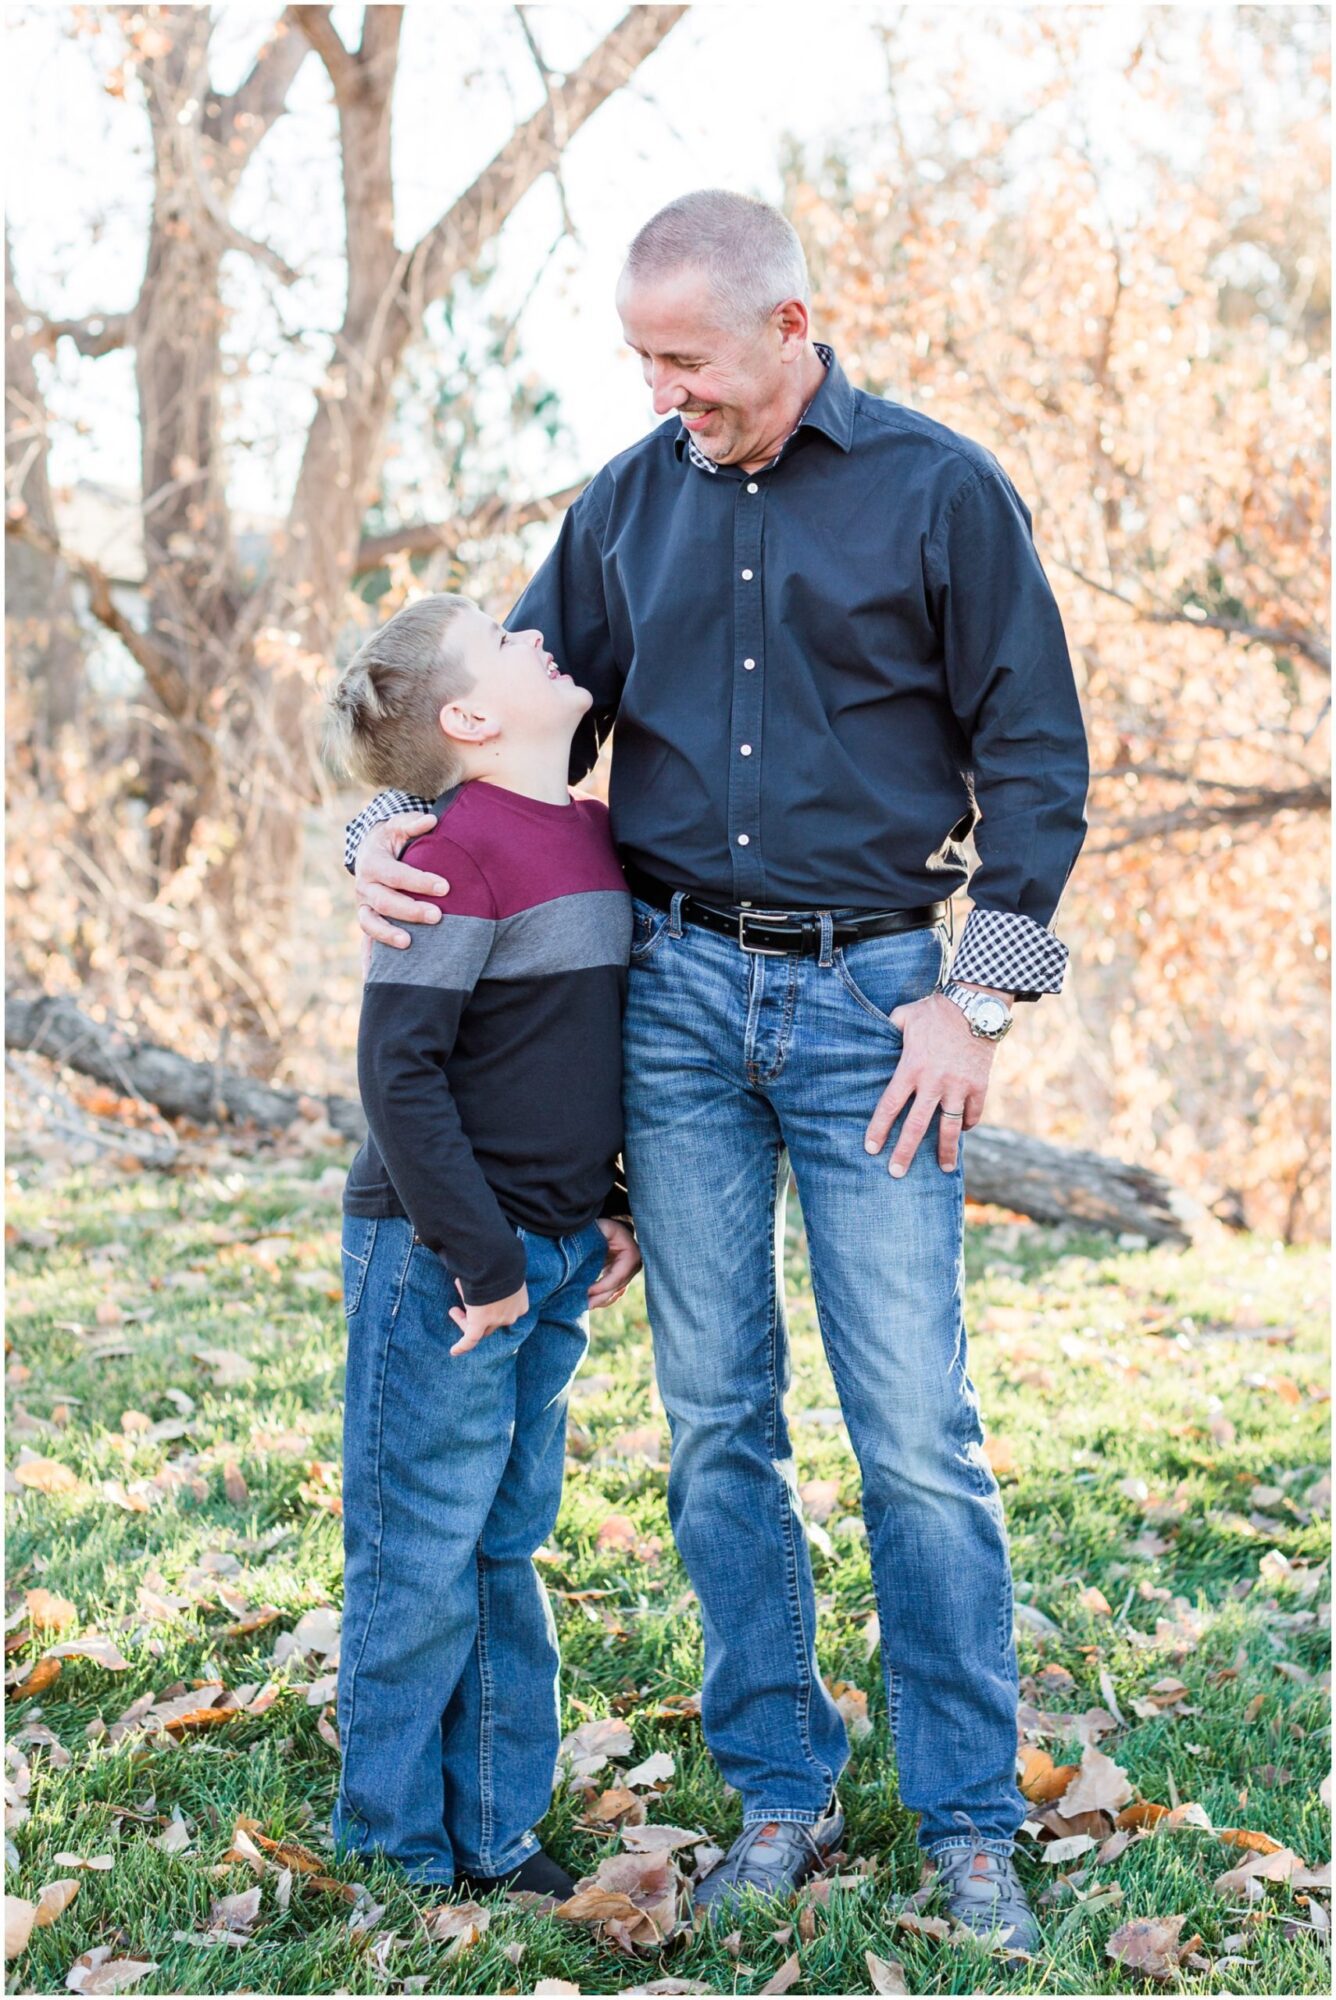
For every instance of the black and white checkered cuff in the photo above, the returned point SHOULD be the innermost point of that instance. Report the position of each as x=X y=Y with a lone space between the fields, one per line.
x=384 y=806
x=1001 y=948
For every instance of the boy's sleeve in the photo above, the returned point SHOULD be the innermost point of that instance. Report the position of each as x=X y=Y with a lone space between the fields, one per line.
x=384 y=806
x=411 y=1009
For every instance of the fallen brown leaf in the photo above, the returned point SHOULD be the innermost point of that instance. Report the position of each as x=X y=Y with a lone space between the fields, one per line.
x=1150 y=1946
x=48 y=1612
x=96 y=1971
x=20 y=1916
x=887 y=1974
x=55 y=1898
x=788 y=1975
x=1041 y=1780
x=47 y=1475
x=1099 y=1786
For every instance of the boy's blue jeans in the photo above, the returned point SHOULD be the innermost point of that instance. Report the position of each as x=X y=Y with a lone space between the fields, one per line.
x=448 y=1709
x=732 y=1062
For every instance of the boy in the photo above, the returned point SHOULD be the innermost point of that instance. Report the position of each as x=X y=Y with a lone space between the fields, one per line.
x=477 y=1217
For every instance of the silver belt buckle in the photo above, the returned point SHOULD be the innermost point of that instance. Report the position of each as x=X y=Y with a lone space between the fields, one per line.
x=761 y=950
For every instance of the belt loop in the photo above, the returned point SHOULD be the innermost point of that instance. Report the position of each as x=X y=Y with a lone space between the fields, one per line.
x=675 y=913
x=827 y=923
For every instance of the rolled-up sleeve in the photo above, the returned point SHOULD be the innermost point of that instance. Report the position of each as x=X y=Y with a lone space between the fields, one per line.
x=1010 y=684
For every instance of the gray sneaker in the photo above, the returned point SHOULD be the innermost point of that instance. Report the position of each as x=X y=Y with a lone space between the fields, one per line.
x=983 y=1892
x=772 y=1859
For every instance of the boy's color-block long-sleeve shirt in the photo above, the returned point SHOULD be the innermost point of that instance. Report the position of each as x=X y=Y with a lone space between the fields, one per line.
x=489 y=1051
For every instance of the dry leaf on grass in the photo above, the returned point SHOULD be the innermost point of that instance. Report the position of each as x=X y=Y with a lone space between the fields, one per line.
x=1099 y=1786
x=1150 y=1946
x=1041 y=1780
x=659 y=1839
x=1058 y=1853
x=45 y=1674
x=1258 y=1843
x=655 y=1770
x=48 y=1612
x=55 y=1899
x=632 y=1898
x=456 y=1924
x=788 y=1975
x=887 y=1974
x=1281 y=1864
x=20 y=1916
x=104 y=1652
x=588 y=1748
x=99 y=1863
x=617 y=1807
x=96 y=1971
x=555 y=1986
x=47 y=1475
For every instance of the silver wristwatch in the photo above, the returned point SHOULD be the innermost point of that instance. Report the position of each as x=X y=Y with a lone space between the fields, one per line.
x=988 y=1016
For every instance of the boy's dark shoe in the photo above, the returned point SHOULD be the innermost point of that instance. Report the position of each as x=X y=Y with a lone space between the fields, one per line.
x=773 y=1859
x=983 y=1892
x=540 y=1875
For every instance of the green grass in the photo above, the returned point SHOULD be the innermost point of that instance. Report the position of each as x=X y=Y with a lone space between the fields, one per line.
x=1096 y=1364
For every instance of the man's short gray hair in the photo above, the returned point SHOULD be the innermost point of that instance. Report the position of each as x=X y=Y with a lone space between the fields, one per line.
x=749 y=253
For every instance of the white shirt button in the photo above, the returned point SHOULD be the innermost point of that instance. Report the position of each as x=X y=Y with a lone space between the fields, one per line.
x=749 y=664
x=752 y=487
x=744 y=840
x=746 y=749
x=746 y=576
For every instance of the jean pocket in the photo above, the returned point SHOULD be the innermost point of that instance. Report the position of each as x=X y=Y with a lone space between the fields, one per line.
x=647 y=928
x=883 y=973
x=359 y=1240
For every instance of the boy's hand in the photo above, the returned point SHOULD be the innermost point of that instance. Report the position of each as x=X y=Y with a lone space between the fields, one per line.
x=623 y=1262
x=381 y=879
x=478 y=1321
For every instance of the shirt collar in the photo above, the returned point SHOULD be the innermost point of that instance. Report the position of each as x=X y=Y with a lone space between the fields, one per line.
x=831 y=411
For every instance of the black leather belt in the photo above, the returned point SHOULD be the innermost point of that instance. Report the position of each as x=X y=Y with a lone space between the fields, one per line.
x=775 y=932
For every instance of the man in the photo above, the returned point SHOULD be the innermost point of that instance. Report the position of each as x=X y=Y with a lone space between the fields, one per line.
x=831 y=652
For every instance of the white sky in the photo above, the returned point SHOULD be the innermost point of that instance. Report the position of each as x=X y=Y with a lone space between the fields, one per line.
x=710 y=107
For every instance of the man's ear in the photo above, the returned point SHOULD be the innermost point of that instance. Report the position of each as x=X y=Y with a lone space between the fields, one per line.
x=792 y=322
x=464 y=724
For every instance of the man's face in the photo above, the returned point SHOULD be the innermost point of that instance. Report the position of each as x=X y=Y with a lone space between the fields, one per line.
x=519 y=691
x=727 y=385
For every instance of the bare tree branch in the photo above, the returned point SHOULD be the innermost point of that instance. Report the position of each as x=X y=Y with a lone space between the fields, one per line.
x=558 y=121
x=496 y=517
x=317 y=24
x=240 y=120
x=452 y=243
x=1289 y=637
x=98 y=334
x=160 y=670
x=1262 y=804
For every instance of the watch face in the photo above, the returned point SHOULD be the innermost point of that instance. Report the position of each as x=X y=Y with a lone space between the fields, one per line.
x=989 y=1014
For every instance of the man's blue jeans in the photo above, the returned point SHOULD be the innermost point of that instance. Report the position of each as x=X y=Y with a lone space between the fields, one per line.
x=448 y=1714
x=734 y=1060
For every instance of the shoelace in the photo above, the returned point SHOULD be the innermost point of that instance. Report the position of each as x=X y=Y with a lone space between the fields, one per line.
x=764 y=1836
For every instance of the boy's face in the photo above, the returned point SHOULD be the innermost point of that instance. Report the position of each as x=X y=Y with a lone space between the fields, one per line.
x=519 y=692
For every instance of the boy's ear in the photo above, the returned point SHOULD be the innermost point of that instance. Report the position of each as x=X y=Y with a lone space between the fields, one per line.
x=463 y=724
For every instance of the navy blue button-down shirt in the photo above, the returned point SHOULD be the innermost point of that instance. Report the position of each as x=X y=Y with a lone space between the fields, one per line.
x=825 y=674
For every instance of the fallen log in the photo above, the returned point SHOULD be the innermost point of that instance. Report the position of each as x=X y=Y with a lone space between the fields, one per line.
x=206 y=1093
x=1010 y=1169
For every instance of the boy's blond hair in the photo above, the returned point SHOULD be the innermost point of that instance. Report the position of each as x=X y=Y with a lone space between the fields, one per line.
x=383 y=723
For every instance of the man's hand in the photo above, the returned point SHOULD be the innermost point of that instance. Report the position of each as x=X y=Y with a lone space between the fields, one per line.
x=944 y=1063
x=478 y=1321
x=382 y=880
x=622 y=1265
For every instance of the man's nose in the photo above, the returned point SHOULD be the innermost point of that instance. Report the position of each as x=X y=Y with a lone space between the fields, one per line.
x=668 y=395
